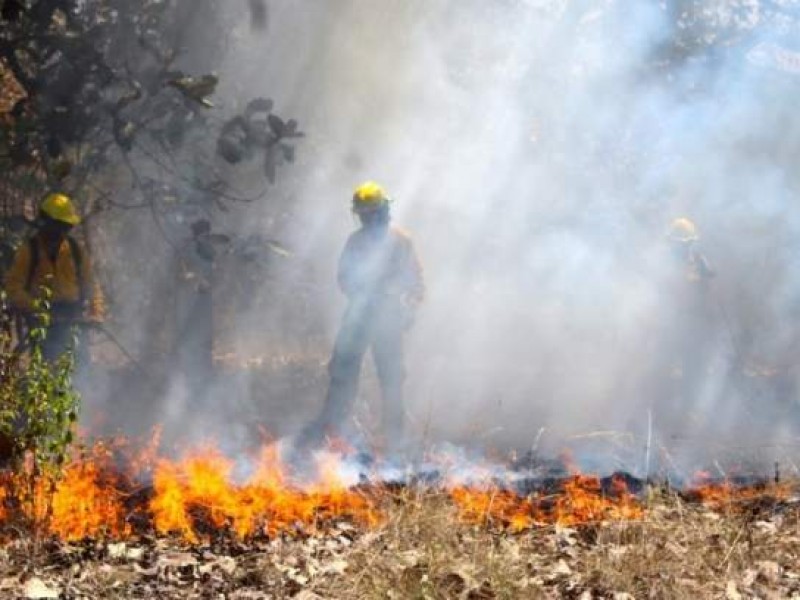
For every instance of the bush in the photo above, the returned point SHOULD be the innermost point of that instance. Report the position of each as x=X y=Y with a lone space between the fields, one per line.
x=38 y=412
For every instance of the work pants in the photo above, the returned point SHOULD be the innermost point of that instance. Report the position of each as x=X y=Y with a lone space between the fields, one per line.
x=378 y=327
x=64 y=332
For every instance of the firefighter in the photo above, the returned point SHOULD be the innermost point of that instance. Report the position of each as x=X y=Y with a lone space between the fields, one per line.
x=381 y=277
x=53 y=259
x=691 y=328
x=683 y=237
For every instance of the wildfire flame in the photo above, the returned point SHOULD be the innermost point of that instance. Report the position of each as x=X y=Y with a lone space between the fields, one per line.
x=266 y=503
x=725 y=495
x=580 y=500
x=190 y=498
x=114 y=492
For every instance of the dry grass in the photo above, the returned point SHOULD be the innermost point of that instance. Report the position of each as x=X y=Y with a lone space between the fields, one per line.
x=423 y=550
x=677 y=551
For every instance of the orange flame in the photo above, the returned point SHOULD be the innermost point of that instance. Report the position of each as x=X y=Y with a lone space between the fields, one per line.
x=265 y=504
x=580 y=500
x=99 y=494
x=84 y=507
x=728 y=497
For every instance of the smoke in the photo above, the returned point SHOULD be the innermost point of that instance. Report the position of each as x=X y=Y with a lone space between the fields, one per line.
x=537 y=151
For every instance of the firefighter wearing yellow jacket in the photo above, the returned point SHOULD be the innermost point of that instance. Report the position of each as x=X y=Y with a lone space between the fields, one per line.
x=382 y=278
x=53 y=259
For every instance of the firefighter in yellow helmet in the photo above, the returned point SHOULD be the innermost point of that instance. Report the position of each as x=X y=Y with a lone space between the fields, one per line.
x=690 y=340
x=53 y=259
x=682 y=236
x=382 y=278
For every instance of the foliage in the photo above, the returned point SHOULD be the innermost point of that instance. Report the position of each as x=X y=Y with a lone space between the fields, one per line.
x=12 y=233
x=120 y=108
x=107 y=84
x=38 y=412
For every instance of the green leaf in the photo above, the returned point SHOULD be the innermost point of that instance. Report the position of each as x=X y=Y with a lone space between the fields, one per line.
x=277 y=125
x=258 y=105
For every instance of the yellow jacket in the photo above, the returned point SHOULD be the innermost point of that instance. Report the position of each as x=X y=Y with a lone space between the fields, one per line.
x=23 y=282
x=381 y=262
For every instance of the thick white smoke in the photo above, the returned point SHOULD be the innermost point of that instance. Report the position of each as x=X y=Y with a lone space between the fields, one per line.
x=537 y=151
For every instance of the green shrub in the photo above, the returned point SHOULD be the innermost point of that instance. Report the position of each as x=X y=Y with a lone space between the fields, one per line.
x=38 y=412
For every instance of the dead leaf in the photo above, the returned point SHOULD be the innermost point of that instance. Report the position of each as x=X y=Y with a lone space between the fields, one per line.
x=484 y=592
x=249 y=595
x=617 y=552
x=676 y=549
x=177 y=559
x=768 y=571
x=36 y=589
x=9 y=583
x=749 y=577
x=562 y=568
x=766 y=527
x=117 y=550
x=134 y=554
x=731 y=592
x=565 y=536
x=452 y=585
x=411 y=558
x=337 y=567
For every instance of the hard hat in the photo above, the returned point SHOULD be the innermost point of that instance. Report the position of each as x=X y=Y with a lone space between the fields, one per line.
x=369 y=196
x=60 y=208
x=682 y=230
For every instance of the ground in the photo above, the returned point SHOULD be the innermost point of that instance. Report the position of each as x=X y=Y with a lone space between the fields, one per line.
x=424 y=549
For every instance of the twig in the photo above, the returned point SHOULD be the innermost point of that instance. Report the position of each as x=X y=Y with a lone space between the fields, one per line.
x=535 y=446
x=194 y=184
x=733 y=546
x=139 y=184
x=649 y=442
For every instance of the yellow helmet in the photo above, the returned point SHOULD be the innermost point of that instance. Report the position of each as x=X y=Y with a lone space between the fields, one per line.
x=369 y=196
x=682 y=230
x=60 y=208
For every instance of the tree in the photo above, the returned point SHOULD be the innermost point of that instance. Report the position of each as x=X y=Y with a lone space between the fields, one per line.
x=120 y=94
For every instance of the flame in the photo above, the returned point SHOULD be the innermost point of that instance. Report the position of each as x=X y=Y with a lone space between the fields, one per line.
x=83 y=506
x=495 y=507
x=265 y=504
x=580 y=500
x=115 y=490
x=726 y=496
x=3 y=498
x=191 y=497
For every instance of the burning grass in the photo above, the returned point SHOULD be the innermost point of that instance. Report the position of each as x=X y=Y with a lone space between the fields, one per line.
x=199 y=528
x=424 y=549
x=577 y=499
x=108 y=493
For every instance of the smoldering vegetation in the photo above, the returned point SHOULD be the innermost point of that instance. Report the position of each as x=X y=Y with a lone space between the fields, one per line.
x=537 y=150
